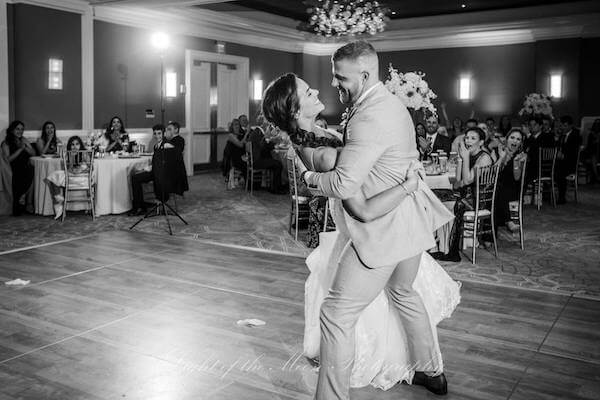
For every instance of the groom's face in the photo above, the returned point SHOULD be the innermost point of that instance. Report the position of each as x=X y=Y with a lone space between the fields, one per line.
x=348 y=79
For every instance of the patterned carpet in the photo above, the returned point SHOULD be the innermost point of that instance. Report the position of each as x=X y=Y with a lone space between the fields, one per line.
x=562 y=245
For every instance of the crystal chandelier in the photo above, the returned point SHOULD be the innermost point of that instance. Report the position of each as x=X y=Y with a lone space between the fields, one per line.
x=345 y=17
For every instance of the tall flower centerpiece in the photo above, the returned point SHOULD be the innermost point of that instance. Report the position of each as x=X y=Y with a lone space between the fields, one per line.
x=345 y=17
x=413 y=90
x=536 y=104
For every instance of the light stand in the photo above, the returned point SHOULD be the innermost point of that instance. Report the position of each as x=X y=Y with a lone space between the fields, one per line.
x=161 y=42
x=162 y=89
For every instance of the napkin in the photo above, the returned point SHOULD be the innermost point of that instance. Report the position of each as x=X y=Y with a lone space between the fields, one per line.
x=17 y=282
x=251 y=322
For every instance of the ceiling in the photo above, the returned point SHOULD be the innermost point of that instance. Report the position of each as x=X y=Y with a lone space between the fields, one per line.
x=296 y=9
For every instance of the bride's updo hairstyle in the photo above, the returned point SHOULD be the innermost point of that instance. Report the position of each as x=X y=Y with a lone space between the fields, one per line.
x=280 y=103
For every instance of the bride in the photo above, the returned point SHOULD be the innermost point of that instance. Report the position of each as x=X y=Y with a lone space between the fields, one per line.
x=381 y=358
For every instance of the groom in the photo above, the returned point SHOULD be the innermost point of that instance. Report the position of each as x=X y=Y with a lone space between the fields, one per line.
x=379 y=141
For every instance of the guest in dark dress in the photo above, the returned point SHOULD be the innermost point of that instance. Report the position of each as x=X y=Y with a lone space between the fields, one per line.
x=234 y=149
x=511 y=159
x=473 y=155
x=18 y=150
x=116 y=136
x=47 y=143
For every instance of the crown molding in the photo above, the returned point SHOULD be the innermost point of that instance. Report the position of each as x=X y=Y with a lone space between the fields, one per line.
x=74 y=6
x=503 y=27
x=206 y=24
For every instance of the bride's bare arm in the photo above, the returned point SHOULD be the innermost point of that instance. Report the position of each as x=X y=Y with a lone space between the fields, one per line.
x=366 y=210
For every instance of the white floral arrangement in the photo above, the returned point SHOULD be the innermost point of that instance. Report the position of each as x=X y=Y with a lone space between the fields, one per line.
x=536 y=104
x=350 y=17
x=412 y=89
x=94 y=139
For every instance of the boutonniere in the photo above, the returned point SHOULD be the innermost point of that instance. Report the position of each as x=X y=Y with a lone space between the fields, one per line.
x=345 y=116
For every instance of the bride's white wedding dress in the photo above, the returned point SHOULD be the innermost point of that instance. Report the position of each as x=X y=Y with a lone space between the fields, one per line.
x=381 y=351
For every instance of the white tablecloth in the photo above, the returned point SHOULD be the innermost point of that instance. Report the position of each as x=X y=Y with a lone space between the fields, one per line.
x=42 y=198
x=113 y=189
x=442 y=181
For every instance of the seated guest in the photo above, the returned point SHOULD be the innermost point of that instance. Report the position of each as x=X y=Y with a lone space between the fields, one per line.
x=140 y=177
x=234 y=149
x=566 y=159
x=510 y=161
x=435 y=141
x=244 y=123
x=454 y=129
x=491 y=142
x=491 y=125
x=504 y=126
x=47 y=143
x=158 y=129
x=470 y=124
x=591 y=153
x=548 y=130
x=56 y=180
x=261 y=154
x=173 y=136
x=472 y=155
x=115 y=136
x=17 y=150
x=537 y=138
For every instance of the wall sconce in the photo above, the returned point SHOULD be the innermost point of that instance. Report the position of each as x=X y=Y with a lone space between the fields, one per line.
x=220 y=46
x=213 y=96
x=556 y=85
x=171 y=84
x=55 y=74
x=258 y=89
x=464 y=89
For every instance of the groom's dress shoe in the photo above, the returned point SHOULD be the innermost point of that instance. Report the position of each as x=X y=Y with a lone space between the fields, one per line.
x=435 y=384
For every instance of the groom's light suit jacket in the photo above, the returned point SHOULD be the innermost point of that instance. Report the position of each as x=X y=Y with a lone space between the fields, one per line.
x=379 y=145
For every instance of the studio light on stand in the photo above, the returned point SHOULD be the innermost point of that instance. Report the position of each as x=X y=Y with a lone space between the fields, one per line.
x=160 y=41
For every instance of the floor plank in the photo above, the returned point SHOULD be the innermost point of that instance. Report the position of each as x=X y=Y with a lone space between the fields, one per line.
x=158 y=320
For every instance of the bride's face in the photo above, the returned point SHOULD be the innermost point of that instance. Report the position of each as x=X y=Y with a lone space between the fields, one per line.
x=310 y=105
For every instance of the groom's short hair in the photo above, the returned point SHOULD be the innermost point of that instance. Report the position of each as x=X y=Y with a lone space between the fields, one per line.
x=354 y=50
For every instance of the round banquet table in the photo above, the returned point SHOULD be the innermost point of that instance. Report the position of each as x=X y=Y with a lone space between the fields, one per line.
x=442 y=234
x=441 y=181
x=113 y=189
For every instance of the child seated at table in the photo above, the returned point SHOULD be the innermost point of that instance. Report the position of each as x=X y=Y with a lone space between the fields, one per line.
x=56 y=180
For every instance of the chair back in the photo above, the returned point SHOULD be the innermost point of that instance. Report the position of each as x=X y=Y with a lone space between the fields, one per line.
x=170 y=176
x=78 y=163
x=546 y=161
x=292 y=176
x=249 y=155
x=486 y=178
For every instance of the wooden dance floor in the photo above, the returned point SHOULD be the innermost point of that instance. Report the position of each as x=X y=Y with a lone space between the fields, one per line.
x=128 y=315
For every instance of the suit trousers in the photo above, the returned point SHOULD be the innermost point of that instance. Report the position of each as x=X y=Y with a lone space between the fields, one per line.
x=137 y=190
x=354 y=287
